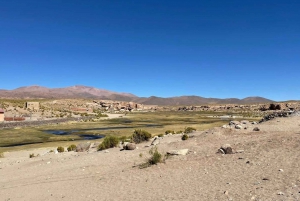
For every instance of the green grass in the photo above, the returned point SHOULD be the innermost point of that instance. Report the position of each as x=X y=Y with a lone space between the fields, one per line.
x=153 y=122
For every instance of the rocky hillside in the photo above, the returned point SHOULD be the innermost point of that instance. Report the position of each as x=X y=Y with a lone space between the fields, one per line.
x=85 y=92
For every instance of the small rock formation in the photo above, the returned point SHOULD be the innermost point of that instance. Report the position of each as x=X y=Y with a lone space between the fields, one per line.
x=178 y=152
x=130 y=146
x=256 y=129
x=226 y=149
x=83 y=147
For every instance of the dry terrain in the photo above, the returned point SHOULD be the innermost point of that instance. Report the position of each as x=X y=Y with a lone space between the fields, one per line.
x=266 y=168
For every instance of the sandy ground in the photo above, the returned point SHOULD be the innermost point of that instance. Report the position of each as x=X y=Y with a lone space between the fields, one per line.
x=267 y=169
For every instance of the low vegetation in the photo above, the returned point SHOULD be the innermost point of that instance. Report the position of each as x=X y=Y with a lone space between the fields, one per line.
x=169 y=132
x=60 y=149
x=1 y=155
x=155 y=123
x=33 y=155
x=140 y=135
x=185 y=137
x=72 y=147
x=155 y=158
x=189 y=130
x=108 y=142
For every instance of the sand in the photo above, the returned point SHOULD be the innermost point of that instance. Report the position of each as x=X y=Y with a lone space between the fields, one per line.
x=266 y=169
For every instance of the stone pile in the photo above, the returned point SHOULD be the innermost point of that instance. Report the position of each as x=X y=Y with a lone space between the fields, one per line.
x=276 y=114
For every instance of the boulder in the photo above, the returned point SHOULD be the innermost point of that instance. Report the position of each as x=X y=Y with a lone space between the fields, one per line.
x=178 y=152
x=130 y=146
x=226 y=148
x=83 y=147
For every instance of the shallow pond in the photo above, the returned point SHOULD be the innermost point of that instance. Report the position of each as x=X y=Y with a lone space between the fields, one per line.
x=75 y=132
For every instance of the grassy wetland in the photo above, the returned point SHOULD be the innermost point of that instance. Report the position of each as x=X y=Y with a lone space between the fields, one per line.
x=73 y=132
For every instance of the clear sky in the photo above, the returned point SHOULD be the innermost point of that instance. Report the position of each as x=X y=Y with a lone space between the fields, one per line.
x=210 y=48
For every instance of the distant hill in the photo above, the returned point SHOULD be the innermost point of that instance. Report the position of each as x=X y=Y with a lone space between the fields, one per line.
x=85 y=92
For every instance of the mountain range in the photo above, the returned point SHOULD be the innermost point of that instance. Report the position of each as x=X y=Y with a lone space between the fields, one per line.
x=85 y=92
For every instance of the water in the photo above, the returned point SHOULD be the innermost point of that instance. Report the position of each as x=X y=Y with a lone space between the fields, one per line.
x=84 y=136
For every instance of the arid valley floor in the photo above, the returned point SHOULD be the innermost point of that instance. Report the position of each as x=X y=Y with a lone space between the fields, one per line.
x=264 y=167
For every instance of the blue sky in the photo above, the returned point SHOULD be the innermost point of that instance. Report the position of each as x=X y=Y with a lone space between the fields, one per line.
x=165 y=48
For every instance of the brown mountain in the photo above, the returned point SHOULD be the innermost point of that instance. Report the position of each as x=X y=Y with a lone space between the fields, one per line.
x=85 y=92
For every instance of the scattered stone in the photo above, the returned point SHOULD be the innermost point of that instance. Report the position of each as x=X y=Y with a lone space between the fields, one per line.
x=265 y=179
x=178 y=152
x=245 y=122
x=227 y=149
x=155 y=141
x=234 y=123
x=280 y=170
x=130 y=146
x=280 y=193
x=83 y=147
x=221 y=151
x=256 y=129
x=226 y=193
x=238 y=127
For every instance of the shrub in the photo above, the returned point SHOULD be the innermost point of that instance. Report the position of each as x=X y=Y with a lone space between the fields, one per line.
x=1 y=155
x=179 y=132
x=31 y=155
x=108 y=142
x=72 y=147
x=189 y=129
x=60 y=149
x=185 y=137
x=155 y=157
x=140 y=136
x=160 y=135
x=169 y=131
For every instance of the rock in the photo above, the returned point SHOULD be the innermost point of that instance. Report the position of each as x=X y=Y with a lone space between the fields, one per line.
x=280 y=170
x=256 y=129
x=238 y=127
x=245 y=122
x=178 y=152
x=226 y=193
x=83 y=147
x=280 y=193
x=221 y=151
x=227 y=149
x=130 y=146
x=234 y=123
x=155 y=141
